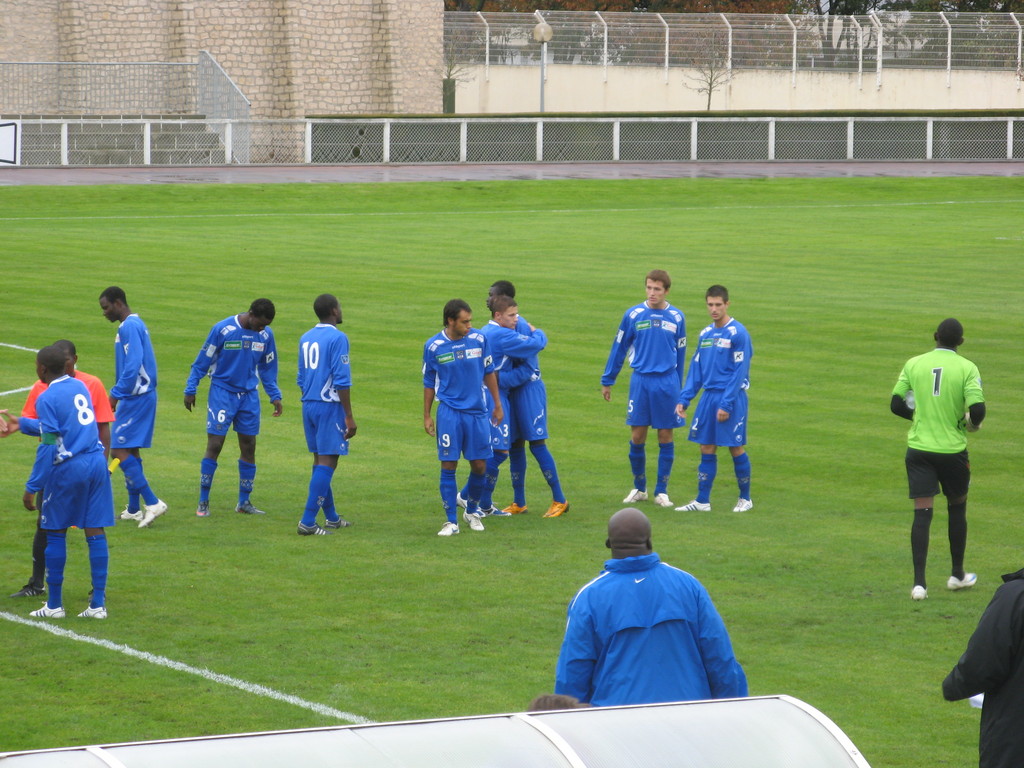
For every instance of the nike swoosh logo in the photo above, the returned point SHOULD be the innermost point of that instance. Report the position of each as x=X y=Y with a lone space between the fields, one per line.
x=637 y=581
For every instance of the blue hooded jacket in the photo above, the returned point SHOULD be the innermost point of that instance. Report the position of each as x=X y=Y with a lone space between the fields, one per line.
x=644 y=632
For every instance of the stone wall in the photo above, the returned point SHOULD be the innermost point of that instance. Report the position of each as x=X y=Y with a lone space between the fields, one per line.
x=291 y=58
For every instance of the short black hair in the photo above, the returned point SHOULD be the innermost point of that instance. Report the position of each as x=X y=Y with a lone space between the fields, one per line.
x=53 y=359
x=323 y=304
x=454 y=308
x=950 y=333
x=114 y=294
x=718 y=290
x=502 y=288
x=500 y=302
x=67 y=346
x=263 y=308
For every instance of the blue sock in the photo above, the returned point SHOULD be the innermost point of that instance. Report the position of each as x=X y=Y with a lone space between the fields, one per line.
x=491 y=479
x=246 y=477
x=133 y=501
x=448 y=490
x=319 y=487
x=475 y=488
x=56 y=557
x=741 y=464
x=135 y=480
x=328 y=506
x=99 y=559
x=207 y=469
x=666 y=455
x=517 y=469
x=546 y=462
x=638 y=463
x=706 y=476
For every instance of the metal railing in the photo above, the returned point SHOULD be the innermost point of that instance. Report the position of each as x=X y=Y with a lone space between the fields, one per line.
x=516 y=140
x=135 y=88
x=990 y=41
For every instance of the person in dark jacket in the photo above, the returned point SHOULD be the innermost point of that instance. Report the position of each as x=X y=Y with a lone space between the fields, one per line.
x=644 y=632
x=993 y=664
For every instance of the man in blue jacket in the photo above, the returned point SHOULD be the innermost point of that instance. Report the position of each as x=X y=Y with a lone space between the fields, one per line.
x=644 y=631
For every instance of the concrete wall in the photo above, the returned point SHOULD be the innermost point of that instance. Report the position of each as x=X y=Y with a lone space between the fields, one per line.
x=638 y=89
x=290 y=57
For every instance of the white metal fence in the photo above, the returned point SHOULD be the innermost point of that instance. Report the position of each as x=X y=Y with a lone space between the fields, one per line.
x=78 y=88
x=740 y=41
x=516 y=140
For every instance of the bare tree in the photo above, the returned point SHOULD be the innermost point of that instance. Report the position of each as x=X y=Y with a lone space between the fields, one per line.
x=709 y=62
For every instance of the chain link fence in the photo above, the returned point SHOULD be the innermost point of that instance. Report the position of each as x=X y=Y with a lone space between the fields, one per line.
x=906 y=39
x=515 y=140
x=145 y=88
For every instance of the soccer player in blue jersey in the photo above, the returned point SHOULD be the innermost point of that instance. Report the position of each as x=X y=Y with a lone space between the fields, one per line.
x=457 y=367
x=505 y=342
x=133 y=400
x=71 y=472
x=653 y=335
x=528 y=401
x=238 y=353
x=721 y=367
x=325 y=379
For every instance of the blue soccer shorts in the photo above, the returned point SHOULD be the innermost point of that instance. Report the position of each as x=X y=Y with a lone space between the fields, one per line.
x=501 y=432
x=462 y=433
x=706 y=429
x=134 y=421
x=324 y=424
x=226 y=409
x=652 y=400
x=78 y=493
x=530 y=411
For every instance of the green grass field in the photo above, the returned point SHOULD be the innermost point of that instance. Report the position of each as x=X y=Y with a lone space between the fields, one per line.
x=838 y=280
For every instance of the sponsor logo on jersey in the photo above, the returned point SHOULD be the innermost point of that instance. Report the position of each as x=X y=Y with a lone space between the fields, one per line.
x=489 y=362
x=447 y=357
x=681 y=344
x=472 y=354
x=737 y=356
x=234 y=344
x=669 y=326
x=706 y=343
x=643 y=325
x=344 y=359
x=258 y=346
x=723 y=343
x=270 y=358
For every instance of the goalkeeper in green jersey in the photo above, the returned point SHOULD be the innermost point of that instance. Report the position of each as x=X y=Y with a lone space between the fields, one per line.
x=940 y=392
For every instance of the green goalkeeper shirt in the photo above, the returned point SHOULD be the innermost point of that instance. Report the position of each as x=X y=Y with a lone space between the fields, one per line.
x=945 y=385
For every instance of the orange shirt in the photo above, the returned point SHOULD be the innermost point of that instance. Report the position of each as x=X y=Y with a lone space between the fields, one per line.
x=98 y=393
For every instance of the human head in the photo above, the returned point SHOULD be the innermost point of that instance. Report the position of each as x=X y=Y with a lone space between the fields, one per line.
x=324 y=306
x=950 y=333
x=717 y=299
x=70 y=352
x=261 y=314
x=629 y=533
x=502 y=288
x=457 y=318
x=51 y=362
x=114 y=304
x=656 y=285
x=547 y=702
x=504 y=311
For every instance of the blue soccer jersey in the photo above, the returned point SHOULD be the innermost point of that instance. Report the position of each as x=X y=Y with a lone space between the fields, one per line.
x=455 y=370
x=721 y=363
x=507 y=345
x=134 y=360
x=323 y=364
x=653 y=339
x=236 y=358
x=67 y=424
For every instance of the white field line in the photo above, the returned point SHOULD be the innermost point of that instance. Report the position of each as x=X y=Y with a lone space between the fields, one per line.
x=23 y=349
x=528 y=212
x=163 y=661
